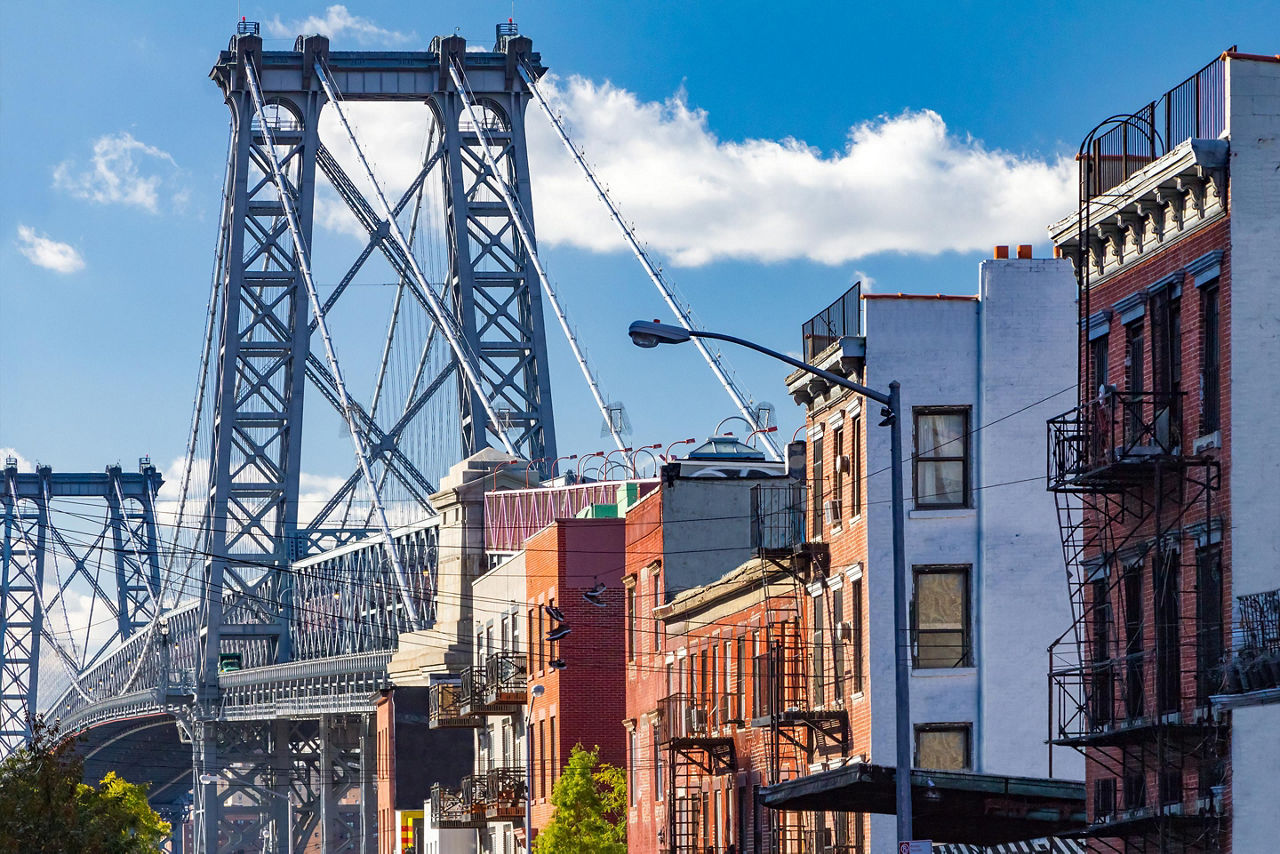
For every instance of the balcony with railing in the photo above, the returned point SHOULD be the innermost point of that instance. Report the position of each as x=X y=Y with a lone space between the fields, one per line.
x=446 y=701
x=777 y=518
x=504 y=794
x=1114 y=441
x=780 y=696
x=841 y=319
x=1255 y=663
x=497 y=687
x=460 y=808
x=1194 y=109
x=687 y=726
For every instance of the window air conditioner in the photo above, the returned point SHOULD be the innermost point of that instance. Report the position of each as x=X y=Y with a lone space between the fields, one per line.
x=845 y=631
x=831 y=511
x=843 y=464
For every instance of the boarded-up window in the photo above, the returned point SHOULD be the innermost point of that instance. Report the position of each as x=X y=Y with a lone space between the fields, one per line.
x=943 y=747
x=940 y=617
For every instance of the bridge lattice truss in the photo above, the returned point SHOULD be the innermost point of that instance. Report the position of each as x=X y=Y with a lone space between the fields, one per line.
x=263 y=637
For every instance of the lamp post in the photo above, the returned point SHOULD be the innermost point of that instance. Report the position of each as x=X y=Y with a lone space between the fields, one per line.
x=650 y=334
x=535 y=692
x=213 y=780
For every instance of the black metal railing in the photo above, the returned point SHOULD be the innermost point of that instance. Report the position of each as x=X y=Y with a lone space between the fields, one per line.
x=471 y=689
x=682 y=716
x=1194 y=109
x=504 y=679
x=777 y=517
x=447 y=706
x=247 y=28
x=1255 y=664
x=459 y=808
x=842 y=318
x=1083 y=698
x=1121 y=428
x=504 y=793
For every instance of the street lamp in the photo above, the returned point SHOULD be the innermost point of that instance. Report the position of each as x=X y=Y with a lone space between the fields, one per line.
x=536 y=691
x=650 y=334
x=214 y=779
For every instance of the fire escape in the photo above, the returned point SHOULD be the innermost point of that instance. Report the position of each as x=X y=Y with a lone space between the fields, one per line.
x=794 y=729
x=694 y=751
x=498 y=793
x=1124 y=691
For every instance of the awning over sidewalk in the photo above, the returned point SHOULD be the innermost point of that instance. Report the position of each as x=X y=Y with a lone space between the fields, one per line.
x=947 y=806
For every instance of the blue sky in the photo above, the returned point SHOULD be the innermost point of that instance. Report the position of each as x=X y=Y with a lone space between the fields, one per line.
x=770 y=152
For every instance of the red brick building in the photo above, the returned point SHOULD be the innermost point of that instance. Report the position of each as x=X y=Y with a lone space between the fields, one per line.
x=570 y=567
x=1175 y=244
x=714 y=568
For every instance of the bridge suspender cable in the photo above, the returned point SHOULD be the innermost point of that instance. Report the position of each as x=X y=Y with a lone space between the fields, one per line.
x=655 y=276
x=459 y=81
x=304 y=269
x=442 y=317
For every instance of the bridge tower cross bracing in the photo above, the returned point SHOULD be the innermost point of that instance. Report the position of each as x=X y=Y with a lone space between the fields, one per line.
x=488 y=307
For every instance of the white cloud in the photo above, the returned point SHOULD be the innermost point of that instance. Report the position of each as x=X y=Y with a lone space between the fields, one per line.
x=903 y=183
x=868 y=281
x=43 y=251
x=124 y=171
x=336 y=23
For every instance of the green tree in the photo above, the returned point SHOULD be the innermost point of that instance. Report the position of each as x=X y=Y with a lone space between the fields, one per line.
x=45 y=809
x=590 y=801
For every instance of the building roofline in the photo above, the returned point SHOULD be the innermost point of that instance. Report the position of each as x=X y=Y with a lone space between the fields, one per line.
x=962 y=297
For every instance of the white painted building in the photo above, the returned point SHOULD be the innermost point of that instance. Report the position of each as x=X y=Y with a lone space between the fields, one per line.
x=979 y=376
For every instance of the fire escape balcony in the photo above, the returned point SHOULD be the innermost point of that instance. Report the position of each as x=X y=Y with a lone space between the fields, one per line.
x=446 y=701
x=1105 y=704
x=504 y=794
x=782 y=698
x=1254 y=668
x=1114 y=442
x=497 y=687
x=461 y=808
x=685 y=725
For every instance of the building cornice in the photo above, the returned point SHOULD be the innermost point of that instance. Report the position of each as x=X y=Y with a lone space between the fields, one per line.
x=1158 y=205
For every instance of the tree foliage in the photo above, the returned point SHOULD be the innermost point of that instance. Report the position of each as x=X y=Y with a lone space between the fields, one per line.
x=590 y=801
x=45 y=809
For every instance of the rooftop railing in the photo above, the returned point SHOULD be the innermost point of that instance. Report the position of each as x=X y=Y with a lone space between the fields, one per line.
x=1194 y=109
x=843 y=317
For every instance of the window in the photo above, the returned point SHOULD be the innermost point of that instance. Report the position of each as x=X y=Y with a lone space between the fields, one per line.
x=855 y=618
x=1210 y=360
x=1134 y=381
x=634 y=764
x=943 y=747
x=542 y=641
x=837 y=648
x=815 y=488
x=542 y=759
x=837 y=477
x=940 y=617
x=819 y=651
x=658 y=785
x=1209 y=643
x=554 y=753
x=631 y=623
x=1098 y=362
x=855 y=465
x=941 y=457
x=1167 y=615
x=529 y=627
x=1135 y=698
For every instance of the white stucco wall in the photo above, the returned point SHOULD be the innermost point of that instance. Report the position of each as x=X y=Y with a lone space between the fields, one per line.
x=1253 y=104
x=997 y=356
x=1255 y=765
x=1253 y=109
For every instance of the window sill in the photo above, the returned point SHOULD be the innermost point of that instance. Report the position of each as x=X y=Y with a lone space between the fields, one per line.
x=943 y=672
x=942 y=513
